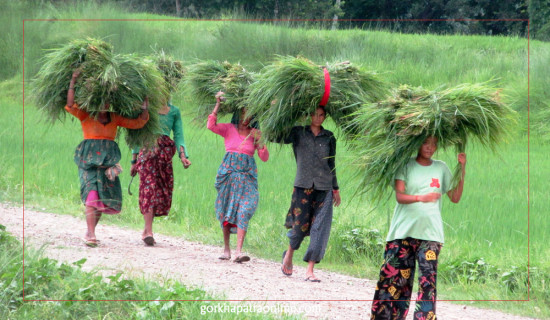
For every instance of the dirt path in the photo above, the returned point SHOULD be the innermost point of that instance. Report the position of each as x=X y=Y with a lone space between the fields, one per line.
x=197 y=265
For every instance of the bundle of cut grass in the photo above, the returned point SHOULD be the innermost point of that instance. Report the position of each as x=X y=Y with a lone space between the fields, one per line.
x=49 y=88
x=206 y=78
x=121 y=80
x=137 y=79
x=393 y=130
x=289 y=90
x=172 y=70
x=123 y=83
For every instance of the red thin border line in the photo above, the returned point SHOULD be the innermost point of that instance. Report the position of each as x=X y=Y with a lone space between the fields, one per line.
x=256 y=20
x=255 y=300
x=23 y=188
x=285 y=20
x=528 y=192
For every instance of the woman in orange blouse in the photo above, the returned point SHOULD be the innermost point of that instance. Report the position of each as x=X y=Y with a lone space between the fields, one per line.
x=97 y=158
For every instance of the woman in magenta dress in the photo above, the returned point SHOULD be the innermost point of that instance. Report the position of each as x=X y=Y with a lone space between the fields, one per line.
x=237 y=178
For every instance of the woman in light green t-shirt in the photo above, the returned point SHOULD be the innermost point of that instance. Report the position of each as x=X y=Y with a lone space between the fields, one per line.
x=416 y=233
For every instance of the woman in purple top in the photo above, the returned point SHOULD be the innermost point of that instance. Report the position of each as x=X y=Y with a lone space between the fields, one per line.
x=237 y=178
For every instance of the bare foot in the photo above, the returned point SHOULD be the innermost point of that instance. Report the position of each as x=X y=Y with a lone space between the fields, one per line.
x=226 y=255
x=90 y=236
x=286 y=268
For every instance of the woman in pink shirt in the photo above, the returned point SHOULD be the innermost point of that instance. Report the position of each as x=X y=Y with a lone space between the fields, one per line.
x=237 y=178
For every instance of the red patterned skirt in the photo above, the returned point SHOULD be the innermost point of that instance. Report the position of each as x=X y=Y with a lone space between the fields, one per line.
x=156 y=177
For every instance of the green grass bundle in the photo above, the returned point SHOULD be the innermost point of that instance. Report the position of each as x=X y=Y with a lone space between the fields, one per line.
x=289 y=90
x=172 y=70
x=121 y=80
x=124 y=83
x=49 y=88
x=392 y=131
x=138 y=78
x=206 y=78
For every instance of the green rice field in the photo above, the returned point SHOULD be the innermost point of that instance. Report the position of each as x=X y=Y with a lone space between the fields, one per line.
x=498 y=229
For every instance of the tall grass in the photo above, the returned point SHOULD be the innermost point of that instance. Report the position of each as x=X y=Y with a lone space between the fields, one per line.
x=425 y=60
x=490 y=222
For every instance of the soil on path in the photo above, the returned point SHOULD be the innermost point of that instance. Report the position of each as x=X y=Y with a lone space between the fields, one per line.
x=197 y=265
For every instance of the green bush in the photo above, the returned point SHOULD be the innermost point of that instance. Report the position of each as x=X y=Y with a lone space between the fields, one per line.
x=362 y=243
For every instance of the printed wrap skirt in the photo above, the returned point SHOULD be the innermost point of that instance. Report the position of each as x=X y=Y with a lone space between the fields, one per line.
x=93 y=157
x=156 y=177
x=237 y=185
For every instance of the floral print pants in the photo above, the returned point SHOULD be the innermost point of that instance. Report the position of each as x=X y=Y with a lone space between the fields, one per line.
x=394 y=288
x=310 y=214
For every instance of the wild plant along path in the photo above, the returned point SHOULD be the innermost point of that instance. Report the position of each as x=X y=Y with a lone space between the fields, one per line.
x=197 y=265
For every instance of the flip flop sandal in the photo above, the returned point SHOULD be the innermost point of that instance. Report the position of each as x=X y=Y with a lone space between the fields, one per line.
x=283 y=267
x=149 y=240
x=312 y=279
x=241 y=259
x=92 y=243
x=224 y=257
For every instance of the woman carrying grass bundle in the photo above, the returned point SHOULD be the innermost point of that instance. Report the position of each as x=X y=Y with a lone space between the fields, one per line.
x=315 y=191
x=416 y=233
x=236 y=180
x=156 y=175
x=154 y=165
x=97 y=158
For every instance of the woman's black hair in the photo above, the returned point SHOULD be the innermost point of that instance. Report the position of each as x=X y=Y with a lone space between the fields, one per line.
x=322 y=107
x=237 y=117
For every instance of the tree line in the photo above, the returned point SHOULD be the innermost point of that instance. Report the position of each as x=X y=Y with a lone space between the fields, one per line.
x=480 y=17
